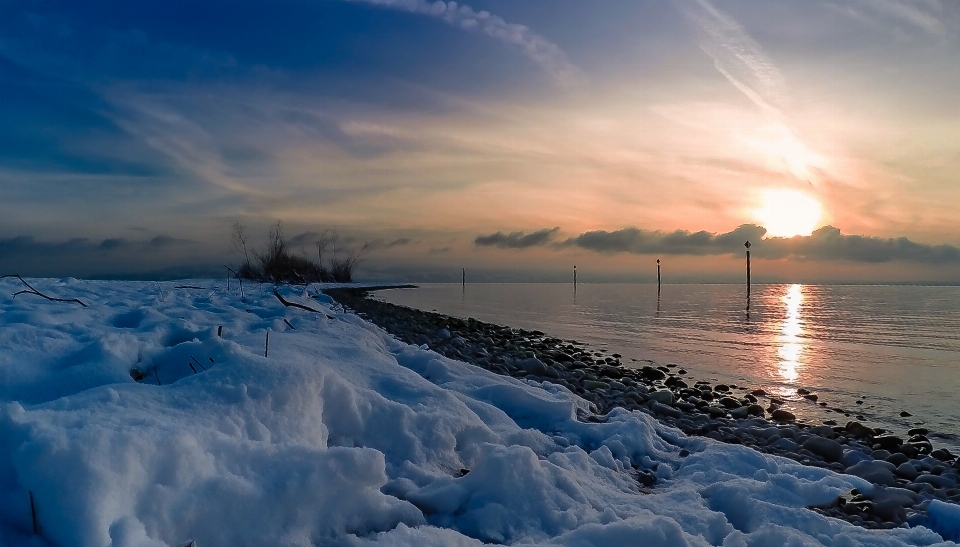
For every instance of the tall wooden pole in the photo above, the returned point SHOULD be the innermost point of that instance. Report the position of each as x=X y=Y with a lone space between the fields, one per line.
x=658 y=276
x=747 y=245
x=574 y=278
x=463 y=278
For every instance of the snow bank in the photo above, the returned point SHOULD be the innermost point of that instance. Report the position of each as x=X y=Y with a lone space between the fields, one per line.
x=342 y=435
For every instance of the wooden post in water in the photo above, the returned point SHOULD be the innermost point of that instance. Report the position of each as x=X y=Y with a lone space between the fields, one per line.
x=463 y=278
x=574 y=278
x=658 y=277
x=747 y=245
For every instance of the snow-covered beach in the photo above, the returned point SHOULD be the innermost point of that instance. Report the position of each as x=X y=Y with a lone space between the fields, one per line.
x=335 y=433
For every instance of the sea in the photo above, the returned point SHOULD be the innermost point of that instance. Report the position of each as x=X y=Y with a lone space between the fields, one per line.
x=885 y=355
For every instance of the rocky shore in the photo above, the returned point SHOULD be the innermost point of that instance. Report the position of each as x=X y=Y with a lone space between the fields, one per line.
x=908 y=472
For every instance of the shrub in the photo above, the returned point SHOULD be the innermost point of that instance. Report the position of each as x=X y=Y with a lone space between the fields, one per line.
x=278 y=265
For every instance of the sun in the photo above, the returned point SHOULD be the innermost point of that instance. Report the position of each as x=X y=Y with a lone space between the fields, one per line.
x=787 y=213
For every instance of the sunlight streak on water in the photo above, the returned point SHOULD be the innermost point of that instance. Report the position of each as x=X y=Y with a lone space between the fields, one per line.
x=790 y=343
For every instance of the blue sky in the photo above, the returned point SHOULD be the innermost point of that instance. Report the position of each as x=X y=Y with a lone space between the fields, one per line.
x=133 y=135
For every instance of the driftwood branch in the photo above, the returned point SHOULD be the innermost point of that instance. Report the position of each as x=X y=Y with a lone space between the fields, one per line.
x=30 y=290
x=289 y=304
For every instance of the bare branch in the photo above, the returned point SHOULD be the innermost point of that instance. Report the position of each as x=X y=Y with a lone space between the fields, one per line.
x=33 y=291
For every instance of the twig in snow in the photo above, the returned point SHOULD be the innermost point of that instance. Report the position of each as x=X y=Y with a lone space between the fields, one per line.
x=157 y=374
x=38 y=293
x=266 y=345
x=220 y=331
x=235 y=274
x=289 y=325
x=289 y=304
x=194 y=287
x=189 y=364
x=33 y=515
x=198 y=362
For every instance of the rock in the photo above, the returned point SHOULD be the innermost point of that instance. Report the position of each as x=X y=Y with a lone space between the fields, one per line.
x=896 y=459
x=651 y=373
x=729 y=402
x=905 y=414
x=859 y=430
x=935 y=480
x=907 y=471
x=785 y=444
x=781 y=415
x=917 y=431
x=888 y=442
x=662 y=396
x=889 y=503
x=660 y=408
x=532 y=365
x=739 y=413
x=755 y=410
x=443 y=334
x=758 y=393
x=942 y=454
x=721 y=387
x=811 y=397
x=853 y=457
x=823 y=431
x=873 y=472
x=595 y=384
x=716 y=411
x=827 y=449
x=611 y=372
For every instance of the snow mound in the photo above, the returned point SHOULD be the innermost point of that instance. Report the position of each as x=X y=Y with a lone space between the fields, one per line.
x=337 y=434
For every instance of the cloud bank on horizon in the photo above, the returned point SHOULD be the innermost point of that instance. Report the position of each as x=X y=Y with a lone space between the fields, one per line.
x=417 y=125
x=824 y=244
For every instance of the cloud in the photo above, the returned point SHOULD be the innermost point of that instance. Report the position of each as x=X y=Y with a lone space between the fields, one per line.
x=681 y=242
x=912 y=13
x=743 y=62
x=85 y=257
x=826 y=244
x=540 y=50
x=517 y=240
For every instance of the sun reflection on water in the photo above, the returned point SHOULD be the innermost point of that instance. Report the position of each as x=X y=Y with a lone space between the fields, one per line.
x=790 y=344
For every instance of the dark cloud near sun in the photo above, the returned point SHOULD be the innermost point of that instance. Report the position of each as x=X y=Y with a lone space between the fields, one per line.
x=825 y=244
x=517 y=240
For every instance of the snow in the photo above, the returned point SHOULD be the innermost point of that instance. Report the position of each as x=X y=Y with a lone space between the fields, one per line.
x=343 y=435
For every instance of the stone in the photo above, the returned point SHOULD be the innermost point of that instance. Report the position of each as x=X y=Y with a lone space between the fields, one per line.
x=651 y=373
x=853 y=457
x=785 y=444
x=729 y=402
x=888 y=442
x=907 y=471
x=936 y=481
x=662 y=396
x=660 y=408
x=872 y=471
x=739 y=413
x=781 y=415
x=859 y=430
x=828 y=449
x=532 y=365
x=896 y=459
x=443 y=334
x=942 y=454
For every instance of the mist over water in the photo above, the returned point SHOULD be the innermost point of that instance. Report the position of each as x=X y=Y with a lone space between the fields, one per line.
x=895 y=348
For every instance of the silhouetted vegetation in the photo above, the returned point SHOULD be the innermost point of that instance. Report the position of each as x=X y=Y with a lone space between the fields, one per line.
x=278 y=264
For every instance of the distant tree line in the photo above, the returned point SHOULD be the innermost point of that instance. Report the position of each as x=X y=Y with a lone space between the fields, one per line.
x=278 y=264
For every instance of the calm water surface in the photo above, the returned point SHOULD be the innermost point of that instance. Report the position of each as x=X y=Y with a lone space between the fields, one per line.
x=896 y=348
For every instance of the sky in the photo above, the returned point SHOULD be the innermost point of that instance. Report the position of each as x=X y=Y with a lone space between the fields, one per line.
x=513 y=139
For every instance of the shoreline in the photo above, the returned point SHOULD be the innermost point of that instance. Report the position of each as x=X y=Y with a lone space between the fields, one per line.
x=909 y=473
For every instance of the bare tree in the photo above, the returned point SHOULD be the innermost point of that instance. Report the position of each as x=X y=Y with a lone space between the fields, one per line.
x=240 y=241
